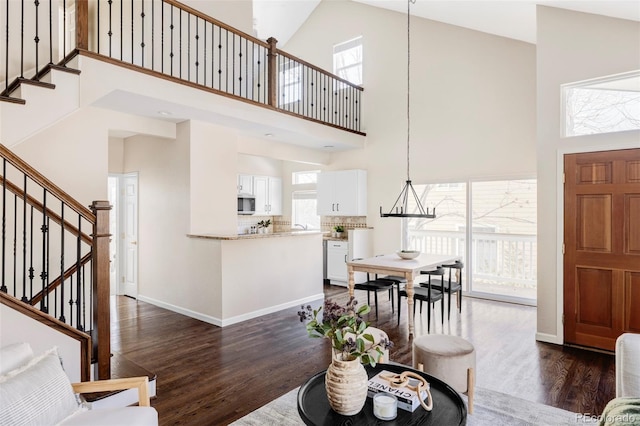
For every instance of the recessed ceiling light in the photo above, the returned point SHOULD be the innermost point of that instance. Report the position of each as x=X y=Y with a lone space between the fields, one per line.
x=164 y=113
x=328 y=146
x=269 y=135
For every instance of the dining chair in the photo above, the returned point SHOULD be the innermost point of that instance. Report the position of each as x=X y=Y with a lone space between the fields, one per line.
x=423 y=293
x=375 y=285
x=451 y=286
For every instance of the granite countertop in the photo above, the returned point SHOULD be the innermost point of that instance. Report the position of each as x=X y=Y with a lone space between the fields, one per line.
x=255 y=236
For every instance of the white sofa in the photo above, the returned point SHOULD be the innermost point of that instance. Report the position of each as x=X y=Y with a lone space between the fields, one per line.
x=34 y=390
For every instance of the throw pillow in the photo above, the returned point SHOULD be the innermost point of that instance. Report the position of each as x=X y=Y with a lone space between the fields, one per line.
x=14 y=356
x=37 y=394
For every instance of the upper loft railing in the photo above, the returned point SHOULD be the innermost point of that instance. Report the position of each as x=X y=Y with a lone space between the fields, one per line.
x=171 y=40
x=55 y=254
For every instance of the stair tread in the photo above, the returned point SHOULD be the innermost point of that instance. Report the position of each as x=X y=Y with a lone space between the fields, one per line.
x=36 y=83
x=121 y=368
x=12 y=100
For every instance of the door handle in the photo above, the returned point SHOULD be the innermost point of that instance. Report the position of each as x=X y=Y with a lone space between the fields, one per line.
x=345 y=258
x=337 y=207
x=134 y=243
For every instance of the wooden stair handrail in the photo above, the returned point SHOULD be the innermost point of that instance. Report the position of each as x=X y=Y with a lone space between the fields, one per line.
x=83 y=338
x=60 y=279
x=38 y=178
x=320 y=70
x=15 y=189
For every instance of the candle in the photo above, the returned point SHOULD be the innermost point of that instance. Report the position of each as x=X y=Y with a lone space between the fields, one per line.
x=385 y=406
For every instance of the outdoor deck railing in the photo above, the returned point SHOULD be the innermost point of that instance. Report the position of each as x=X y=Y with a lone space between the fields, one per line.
x=502 y=258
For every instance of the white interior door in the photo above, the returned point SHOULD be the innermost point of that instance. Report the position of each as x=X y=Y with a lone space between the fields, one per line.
x=129 y=226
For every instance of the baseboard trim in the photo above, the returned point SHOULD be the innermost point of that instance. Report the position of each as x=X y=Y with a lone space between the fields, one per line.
x=232 y=320
x=549 y=338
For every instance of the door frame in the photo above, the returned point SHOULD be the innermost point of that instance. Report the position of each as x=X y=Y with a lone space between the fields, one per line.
x=560 y=218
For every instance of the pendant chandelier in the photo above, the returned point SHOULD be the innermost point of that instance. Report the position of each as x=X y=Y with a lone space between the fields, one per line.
x=401 y=206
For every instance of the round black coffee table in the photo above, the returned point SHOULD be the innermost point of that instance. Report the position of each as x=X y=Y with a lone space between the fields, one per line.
x=448 y=407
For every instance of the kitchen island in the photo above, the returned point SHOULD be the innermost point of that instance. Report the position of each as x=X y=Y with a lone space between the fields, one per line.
x=257 y=274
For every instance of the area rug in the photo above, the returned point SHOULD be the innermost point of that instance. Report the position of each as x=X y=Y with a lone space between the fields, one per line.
x=490 y=408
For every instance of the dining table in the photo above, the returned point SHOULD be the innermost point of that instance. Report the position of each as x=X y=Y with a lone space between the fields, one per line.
x=393 y=264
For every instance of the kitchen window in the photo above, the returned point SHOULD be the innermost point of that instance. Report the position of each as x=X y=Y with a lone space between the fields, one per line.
x=304 y=207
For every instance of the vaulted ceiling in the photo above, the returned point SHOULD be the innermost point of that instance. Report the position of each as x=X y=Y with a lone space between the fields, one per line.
x=513 y=19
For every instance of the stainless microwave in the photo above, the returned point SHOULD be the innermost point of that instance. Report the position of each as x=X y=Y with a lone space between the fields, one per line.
x=246 y=204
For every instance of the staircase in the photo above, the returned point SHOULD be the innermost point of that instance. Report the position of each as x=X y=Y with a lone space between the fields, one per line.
x=55 y=258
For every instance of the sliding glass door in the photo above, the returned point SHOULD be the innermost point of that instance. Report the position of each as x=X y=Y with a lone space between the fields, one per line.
x=492 y=226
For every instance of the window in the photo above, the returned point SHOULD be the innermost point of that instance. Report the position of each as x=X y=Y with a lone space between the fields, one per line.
x=347 y=60
x=299 y=178
x=304 y=200
x=493 y=228
x=290 y=82
x=603 y=105
x=304 y=208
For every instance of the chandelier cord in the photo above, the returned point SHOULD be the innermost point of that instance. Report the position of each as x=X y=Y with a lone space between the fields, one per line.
x=408 y=79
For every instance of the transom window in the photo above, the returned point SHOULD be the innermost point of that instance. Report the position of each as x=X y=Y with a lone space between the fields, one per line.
x=603 y=105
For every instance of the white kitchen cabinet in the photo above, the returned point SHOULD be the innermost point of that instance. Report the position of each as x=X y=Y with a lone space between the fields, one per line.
x=245 y=184
x=268 y=193
x=342 y=193
x=359 y=245
x=337 y=253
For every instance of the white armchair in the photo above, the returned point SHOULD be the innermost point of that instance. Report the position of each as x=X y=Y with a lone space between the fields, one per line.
x=628 y=365
x=36 y=390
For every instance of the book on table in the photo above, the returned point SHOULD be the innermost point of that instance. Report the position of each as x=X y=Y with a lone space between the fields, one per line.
x=408 y=398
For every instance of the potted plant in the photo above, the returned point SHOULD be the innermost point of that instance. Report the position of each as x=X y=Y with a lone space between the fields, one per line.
x=352 y=346
x=263 y=226
x=338 y=230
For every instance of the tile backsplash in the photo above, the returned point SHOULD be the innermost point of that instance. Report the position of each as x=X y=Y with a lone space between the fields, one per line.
x=283 y=223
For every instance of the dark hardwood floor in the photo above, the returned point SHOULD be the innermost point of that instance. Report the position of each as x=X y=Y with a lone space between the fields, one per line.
x=209 y=375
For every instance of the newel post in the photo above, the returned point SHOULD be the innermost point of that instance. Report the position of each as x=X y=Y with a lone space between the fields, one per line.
x=101 y=329
x=272 y=71
x=82 y=24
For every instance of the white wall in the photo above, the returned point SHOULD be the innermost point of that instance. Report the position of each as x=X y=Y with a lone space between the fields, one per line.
x=572 y=46
x=15 y=328
x=472 y=102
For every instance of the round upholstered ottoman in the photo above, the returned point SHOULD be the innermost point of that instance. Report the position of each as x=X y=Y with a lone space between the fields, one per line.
x=451 y=359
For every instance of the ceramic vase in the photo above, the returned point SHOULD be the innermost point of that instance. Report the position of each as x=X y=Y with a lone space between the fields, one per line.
x=346 y=386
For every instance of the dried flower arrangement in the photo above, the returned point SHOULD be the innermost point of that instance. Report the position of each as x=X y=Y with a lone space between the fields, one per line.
x=346 y=329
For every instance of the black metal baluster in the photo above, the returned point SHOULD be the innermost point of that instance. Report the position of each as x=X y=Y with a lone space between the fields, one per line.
x=21 y=38
x=171 y=27
x=121 y=30
x=233 y=61
x=43 y=274
x=259 y=83
x=99 y=34
x=79 y=272
x=110 y=33
x=240 y=66
x=84 y=300
x=188 y=46
x=6 y=66
x=132 y=36
x=3 y=287
x=31 y=269
x=50 y=35
x=226 y=77
x=358 y=116
x=162 y=37
x=197 y=50
x=180 y=42
x=246 y=67
x=15 y=244
x=24 y=241
x=37 y=38
x=70 y=302
x=64 y=28
x=62 y=318
x=219 y=58
x=153 y=33
x=204 y=60
x=142 y=42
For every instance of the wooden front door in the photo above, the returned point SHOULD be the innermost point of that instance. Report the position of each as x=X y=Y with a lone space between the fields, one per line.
x=602 y=247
